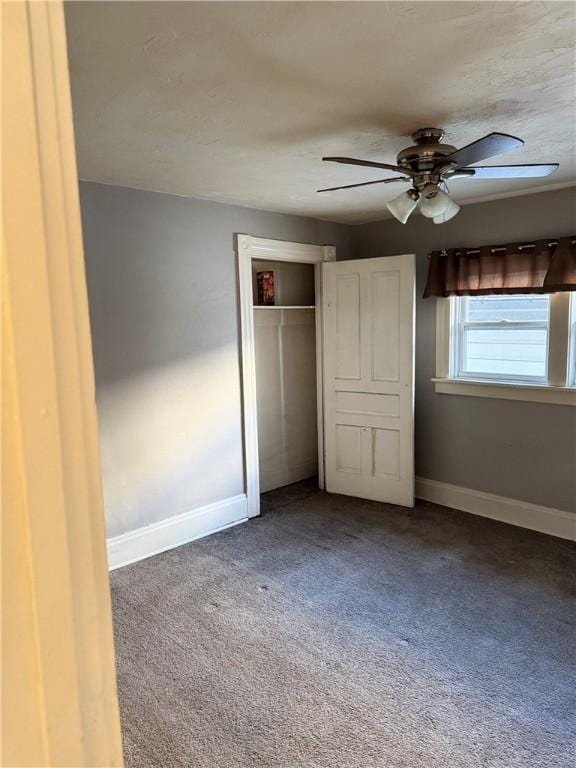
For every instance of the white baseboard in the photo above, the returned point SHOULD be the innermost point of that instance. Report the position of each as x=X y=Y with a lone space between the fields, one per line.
x=180 y=529
x=555 y=522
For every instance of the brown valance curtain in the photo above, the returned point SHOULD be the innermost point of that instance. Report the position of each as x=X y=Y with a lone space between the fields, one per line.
x=545 y=266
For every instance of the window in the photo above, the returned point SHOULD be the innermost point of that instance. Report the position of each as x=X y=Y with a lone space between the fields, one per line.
x=502 y=338
x=520 y=347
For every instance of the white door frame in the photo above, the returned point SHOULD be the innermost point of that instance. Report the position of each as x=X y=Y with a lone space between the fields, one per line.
x=249 y=248
x=60 y=679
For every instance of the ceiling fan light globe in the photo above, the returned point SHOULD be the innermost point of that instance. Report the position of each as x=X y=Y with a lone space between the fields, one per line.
x=448 y=214
x=433 y=202
x=402 y=206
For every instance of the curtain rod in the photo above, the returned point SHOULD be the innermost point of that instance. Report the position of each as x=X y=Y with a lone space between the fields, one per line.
x=497 y=248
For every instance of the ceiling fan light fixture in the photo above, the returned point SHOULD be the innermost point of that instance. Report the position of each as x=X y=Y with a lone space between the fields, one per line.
x=433 y=202
x=430 y=163
x=403 y=205
x=448 y=214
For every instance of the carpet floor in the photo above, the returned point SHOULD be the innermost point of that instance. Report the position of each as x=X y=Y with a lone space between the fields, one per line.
x=338 y=633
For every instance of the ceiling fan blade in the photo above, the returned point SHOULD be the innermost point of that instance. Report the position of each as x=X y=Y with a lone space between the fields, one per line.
x=369 y=164
x=488 y=146
x=527 y=171
x=365 y=184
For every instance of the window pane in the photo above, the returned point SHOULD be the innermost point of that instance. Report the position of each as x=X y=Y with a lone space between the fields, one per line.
x=505 y=351
x=513 y=308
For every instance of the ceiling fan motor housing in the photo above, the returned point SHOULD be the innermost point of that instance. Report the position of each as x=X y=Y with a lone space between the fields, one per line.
x=425 y=157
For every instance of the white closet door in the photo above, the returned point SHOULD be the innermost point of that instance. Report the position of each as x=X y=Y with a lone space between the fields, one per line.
x=285 y=346
x=368 y=338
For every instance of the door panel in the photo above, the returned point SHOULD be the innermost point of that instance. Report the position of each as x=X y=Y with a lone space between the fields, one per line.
x=384 y=353
x=368 y=338
x=348 y=449
x=386 y=453
x=348 y=353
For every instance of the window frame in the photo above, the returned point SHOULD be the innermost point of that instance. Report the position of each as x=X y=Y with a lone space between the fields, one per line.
x=560 y=387
x=572 y=342
x=461 y=324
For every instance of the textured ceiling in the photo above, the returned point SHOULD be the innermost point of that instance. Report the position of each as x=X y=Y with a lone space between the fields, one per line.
x=237 y=102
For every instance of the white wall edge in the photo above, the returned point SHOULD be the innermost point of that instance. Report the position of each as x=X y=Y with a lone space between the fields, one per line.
x=555 y=522
x=175 y=531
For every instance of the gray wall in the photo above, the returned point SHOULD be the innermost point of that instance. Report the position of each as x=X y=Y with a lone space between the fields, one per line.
x=521 y=450
x=162 y=288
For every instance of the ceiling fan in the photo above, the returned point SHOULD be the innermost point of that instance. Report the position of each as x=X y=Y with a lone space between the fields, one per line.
x=429 y=164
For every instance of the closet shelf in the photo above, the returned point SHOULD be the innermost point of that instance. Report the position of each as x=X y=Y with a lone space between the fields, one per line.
x=284 y=306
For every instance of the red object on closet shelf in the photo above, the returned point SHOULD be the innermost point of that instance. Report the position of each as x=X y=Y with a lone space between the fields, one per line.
x=265 y=284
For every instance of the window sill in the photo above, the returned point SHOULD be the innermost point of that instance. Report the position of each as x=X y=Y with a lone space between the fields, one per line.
x=506 y=391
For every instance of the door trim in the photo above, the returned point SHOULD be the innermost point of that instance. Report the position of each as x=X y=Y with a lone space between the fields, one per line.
x=248 y=248
x=60 y=681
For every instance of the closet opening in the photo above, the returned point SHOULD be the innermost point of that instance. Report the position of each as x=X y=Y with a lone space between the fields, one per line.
x=280 y=291
x=285 y=356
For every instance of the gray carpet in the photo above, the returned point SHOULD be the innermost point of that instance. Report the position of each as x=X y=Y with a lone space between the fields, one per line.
x=338 y=633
